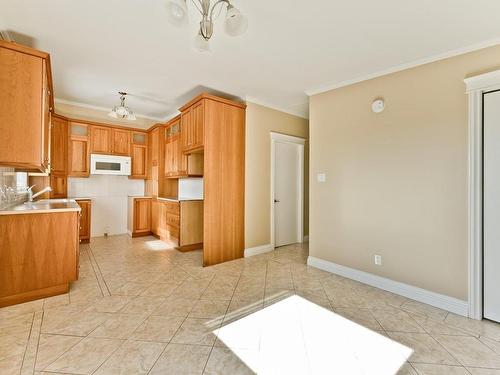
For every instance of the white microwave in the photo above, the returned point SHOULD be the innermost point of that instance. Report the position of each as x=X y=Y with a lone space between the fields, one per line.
x=110 y=164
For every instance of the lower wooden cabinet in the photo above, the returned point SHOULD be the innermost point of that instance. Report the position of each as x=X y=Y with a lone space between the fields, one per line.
x=85 y=219
x=180 y=223
x=37 y=266
x=139 y=216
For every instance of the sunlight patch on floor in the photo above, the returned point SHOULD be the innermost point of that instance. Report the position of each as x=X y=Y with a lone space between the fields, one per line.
x=157 y=245
x=296 y=336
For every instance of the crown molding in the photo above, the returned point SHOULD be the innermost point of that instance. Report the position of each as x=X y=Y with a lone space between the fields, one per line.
x=452 y=53
x=98 y=108
x=277 y=108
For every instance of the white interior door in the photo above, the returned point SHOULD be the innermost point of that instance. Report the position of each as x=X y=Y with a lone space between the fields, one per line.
x=491 y=209
x=286 y=193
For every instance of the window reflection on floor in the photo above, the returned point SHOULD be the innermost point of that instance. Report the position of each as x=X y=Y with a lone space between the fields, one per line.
x=296 y=336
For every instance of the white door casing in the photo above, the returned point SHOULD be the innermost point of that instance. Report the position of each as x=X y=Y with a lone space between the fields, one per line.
x=287 y=187
x=491 y=205
x=476 y=87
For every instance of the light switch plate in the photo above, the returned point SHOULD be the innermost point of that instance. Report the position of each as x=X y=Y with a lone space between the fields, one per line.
x=321 y=177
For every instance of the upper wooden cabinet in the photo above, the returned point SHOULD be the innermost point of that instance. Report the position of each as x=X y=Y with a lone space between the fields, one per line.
x=59 y=145
x=100 y=140
x=79 y=150
x=120 y=142
x=177 y=163
x=25 y=103
x=192 y=126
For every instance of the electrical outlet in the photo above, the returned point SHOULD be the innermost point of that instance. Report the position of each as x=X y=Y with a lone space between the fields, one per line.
x=378 y=260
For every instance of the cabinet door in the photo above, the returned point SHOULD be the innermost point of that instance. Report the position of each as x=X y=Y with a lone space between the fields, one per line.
x=79 y=157
x=142 y=215
x=85 y=223
x=139 y=161
x=58 y=183
x=192 y=127
x=197 y=124
x=59 y=145
x=46 y=120
x=100 y=140
x=186 y=130
x=171 y=156
x=21 y=124
x=121 y=142
x=155 y=207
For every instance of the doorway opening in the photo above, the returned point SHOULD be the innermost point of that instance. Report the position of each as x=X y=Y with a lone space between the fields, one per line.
x=287 y=189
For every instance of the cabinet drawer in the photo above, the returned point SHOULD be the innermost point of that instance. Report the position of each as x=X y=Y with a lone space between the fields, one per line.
x=173 y=220
x=172 y=232
x=172 y=207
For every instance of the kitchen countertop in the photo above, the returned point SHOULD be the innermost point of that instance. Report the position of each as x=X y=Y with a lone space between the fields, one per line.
x=139 y=196
x=42 y=206
x=179 y=199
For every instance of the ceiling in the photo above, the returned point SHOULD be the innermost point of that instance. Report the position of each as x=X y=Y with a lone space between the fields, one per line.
x=100 y=47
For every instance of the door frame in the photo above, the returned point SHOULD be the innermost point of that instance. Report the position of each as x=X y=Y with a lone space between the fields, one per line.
x=477 y=86
x=284 y=138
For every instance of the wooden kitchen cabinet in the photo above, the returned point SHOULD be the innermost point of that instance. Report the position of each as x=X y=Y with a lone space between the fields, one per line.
x=177 y=163
x=179 y=223
x=38 y=255
x=156 y=164
x=192 y=127
x=139 y=216
x=59 y=185
x=139 y=162
x=100 y=140
x=139 y=154
x=120 y=142
x=59 y=146
x=26 y=101
x=85 y=219
x=79 y=150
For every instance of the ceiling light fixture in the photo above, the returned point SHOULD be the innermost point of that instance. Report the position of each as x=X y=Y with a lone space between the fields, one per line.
x=235 y=24
x=122 y=111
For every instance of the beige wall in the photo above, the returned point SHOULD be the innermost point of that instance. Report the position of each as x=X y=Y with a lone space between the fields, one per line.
x=260 y=122
x=89 y=114
x=396 y=181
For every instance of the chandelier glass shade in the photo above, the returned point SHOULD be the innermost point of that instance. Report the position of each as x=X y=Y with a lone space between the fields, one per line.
x=122 y=111
x=235 y=23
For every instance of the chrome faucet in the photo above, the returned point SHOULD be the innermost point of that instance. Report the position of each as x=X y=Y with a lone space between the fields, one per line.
x=31 y=195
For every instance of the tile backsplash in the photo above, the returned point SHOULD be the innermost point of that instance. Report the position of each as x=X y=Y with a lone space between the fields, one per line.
x=109 y=196
x=12 y=187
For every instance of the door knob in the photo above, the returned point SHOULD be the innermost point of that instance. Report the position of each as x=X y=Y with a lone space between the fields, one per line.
x=276 y=201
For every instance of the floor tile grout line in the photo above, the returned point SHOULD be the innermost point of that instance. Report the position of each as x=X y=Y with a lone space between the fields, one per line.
x=27 y=342
x=220 y=325
x=38 y=340
x=99 y=269
x=67 y=350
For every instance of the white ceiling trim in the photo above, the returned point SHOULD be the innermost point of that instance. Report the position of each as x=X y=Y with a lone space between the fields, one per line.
x=398 y=68
x=275 y=107
x=98 y=108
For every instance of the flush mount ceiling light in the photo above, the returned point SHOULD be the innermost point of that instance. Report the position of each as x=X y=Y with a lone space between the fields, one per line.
x=122 y=111
x=235 y=24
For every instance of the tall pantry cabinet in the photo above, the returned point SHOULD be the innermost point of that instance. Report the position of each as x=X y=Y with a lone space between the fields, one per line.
x=216 y=127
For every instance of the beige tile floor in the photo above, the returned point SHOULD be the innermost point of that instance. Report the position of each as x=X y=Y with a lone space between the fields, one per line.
x=141 y=308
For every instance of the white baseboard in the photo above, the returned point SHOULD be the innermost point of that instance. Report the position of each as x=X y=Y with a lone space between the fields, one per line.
x=258 y=250
x=441 y=301
x=306 y=238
